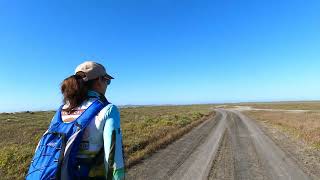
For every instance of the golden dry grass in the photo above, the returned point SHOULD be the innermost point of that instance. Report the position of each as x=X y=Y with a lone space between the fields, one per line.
x=162 y=141
x=147 y=129
x=299 y=105
x=301 y=125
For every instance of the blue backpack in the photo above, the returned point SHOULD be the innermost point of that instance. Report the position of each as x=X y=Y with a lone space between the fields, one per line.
x=55 y=156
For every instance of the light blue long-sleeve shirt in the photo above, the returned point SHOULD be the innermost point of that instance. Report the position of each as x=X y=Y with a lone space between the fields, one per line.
x=103 y=132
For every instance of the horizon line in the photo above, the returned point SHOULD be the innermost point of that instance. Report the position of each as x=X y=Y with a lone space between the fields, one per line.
x=182 y=104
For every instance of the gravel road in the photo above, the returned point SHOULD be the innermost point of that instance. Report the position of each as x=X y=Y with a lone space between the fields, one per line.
x=229 y=146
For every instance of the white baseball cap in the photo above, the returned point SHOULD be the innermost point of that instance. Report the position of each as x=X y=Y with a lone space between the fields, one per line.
x=92 y=70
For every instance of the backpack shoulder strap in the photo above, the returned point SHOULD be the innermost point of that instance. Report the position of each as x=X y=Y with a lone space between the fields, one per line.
x=56 y=118
x=84 y=119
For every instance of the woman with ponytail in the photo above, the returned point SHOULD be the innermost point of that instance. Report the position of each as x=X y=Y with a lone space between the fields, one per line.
x=102 y=138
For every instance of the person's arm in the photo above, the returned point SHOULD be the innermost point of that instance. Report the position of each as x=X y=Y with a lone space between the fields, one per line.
x=112 y=137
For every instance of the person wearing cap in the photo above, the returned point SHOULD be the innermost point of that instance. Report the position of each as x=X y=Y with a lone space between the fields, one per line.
x=102 y=139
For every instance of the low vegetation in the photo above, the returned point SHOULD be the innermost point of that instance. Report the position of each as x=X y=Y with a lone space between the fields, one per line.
x=300 y=125
x=302 y=105
x=145 y=130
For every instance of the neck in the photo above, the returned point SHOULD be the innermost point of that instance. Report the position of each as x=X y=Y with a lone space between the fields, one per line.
x=95 y=93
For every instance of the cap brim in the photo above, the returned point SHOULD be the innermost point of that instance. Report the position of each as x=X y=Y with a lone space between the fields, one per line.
x=108 y=76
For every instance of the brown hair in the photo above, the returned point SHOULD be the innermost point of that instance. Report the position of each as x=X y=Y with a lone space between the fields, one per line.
x=75 y=90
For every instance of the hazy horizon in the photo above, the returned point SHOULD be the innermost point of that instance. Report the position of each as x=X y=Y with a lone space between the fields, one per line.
x=213 y=103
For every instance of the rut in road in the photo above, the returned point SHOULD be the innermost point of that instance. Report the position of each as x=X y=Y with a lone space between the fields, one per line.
x=253 y=154
x=240 y=153
x=166 y=162
x=230 y=146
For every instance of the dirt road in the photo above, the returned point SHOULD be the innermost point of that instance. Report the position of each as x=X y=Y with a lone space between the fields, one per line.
x=230 y=146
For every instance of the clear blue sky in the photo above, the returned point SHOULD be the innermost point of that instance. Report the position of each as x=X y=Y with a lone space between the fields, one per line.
x=161 y=51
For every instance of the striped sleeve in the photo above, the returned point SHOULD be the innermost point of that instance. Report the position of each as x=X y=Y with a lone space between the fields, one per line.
x=112 y=137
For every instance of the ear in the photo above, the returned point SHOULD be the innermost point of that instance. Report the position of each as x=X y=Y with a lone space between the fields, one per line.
x=96 y=84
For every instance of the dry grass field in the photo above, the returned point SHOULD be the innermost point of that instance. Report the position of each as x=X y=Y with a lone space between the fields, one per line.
x=302 y=125
x=145 y=129
x=302 y=105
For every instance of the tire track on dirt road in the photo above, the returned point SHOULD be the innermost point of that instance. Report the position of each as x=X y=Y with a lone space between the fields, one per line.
x=230 y=146
x=276 y=163
x=245 y=161
x=165 y=163
x=198 y=164
x=255 y=155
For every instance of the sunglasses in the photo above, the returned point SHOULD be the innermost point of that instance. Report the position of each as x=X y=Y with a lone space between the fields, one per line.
x=108 y=81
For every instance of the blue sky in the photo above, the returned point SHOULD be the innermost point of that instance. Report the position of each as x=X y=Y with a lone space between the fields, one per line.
x=161 y=51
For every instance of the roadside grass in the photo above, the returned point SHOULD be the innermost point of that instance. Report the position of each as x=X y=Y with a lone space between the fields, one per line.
x=299 y=125
x=298 y=105
x=145 y=130
x=20 y=133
